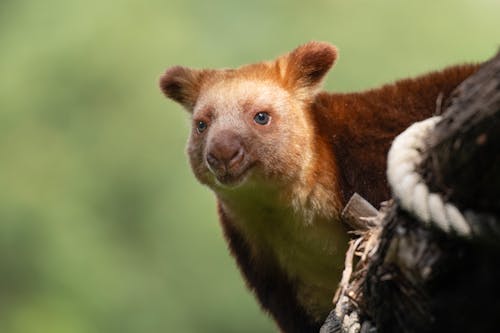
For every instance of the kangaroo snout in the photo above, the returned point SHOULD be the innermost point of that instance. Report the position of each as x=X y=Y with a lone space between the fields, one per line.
x=225 y=153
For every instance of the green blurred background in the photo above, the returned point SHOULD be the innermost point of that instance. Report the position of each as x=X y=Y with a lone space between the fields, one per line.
x=102 y=226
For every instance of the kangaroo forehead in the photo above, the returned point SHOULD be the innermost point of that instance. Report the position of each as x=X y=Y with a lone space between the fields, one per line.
x=238 y=94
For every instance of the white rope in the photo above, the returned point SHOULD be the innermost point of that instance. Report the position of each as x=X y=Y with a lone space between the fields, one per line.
x=409 y=187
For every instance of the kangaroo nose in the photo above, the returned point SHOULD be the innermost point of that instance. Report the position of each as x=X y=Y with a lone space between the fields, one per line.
x=225 y=152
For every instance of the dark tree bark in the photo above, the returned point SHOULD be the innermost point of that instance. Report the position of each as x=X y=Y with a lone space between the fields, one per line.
x=423 y=279
x=417 y=277
x=463 y=157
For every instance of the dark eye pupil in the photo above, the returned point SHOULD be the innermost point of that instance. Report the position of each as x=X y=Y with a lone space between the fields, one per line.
x=201 y=126
x=261 y=118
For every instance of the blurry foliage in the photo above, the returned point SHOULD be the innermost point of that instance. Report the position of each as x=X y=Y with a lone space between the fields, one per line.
x=102 y=226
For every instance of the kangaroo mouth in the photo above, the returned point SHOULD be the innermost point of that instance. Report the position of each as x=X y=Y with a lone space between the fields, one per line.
x=234 y=176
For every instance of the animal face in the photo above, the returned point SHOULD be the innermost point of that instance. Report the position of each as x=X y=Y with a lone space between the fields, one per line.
x=250 y=125
x=247 y=129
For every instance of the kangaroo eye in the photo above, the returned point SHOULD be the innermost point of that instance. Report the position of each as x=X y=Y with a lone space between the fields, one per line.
x=262 y=118
x=201 y=126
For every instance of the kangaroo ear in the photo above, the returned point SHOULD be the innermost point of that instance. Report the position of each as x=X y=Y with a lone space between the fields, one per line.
x=182 y=85
x=306 y=66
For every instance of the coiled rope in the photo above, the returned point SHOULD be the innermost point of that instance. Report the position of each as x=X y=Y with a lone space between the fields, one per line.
x=409 y=187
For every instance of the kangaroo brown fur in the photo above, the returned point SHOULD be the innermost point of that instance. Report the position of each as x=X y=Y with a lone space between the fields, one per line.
x=283 y=158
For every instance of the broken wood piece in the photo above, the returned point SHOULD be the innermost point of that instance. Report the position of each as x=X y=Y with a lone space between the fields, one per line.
x=359 y=213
